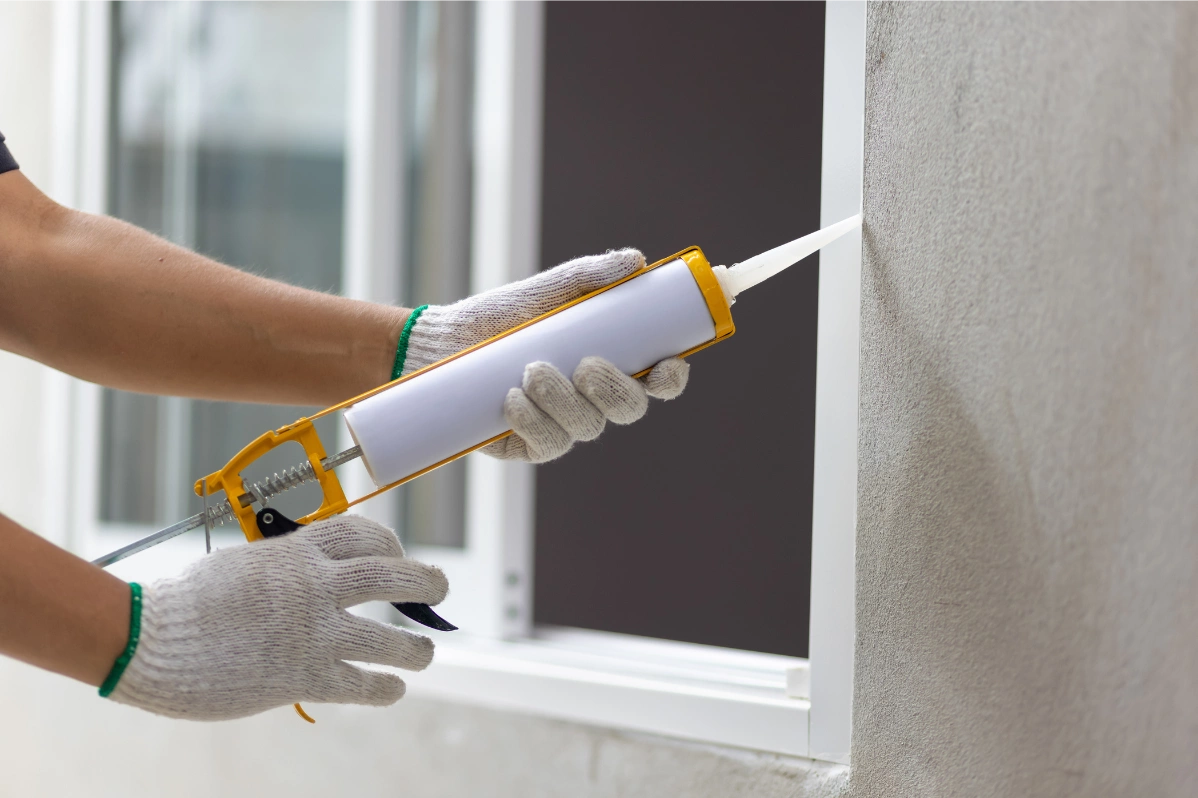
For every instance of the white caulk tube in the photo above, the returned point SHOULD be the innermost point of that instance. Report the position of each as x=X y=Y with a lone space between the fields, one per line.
x=670 y=309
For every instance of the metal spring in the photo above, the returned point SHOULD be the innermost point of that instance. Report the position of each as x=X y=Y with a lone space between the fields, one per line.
x=277 y=483
x=261 y=492
x=220 y=514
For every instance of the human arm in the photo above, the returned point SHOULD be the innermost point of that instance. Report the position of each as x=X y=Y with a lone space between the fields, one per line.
x=241 y=631
x=57 y=611
x=113 y=304
x=250 y=628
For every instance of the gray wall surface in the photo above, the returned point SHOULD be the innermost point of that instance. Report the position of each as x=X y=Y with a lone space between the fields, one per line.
x=1027 y=601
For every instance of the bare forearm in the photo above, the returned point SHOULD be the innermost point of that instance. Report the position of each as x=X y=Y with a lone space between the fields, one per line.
x=113 y=304
x=57 y=611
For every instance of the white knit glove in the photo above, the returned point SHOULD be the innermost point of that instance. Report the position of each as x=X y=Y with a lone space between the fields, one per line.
x=263 y=625
x=551 y=412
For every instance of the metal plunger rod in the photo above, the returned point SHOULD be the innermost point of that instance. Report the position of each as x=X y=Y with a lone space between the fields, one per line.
x=218 y=512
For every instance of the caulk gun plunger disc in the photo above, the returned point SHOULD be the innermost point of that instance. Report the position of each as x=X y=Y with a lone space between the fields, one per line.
x=749 y=273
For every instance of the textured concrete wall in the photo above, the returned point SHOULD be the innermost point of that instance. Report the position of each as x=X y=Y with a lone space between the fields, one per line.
x=1028 y=519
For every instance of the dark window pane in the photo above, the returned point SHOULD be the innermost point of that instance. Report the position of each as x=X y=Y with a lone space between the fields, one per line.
x=668 y=125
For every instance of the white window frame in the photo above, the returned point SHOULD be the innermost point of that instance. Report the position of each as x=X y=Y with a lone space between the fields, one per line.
x=737 y=698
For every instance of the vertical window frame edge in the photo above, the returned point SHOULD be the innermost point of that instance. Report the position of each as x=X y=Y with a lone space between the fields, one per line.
x=82 y=116
x=834 y=511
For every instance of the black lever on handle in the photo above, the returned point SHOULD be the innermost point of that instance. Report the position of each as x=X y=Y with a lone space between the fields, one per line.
x=272 y=524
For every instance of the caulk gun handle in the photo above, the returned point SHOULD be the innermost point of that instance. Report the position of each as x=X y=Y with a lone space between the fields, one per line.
x=272 y=524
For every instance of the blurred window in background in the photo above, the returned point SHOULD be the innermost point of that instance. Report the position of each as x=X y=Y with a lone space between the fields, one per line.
x=227 y=137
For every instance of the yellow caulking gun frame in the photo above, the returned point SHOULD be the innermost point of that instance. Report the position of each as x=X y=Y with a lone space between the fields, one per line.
x=303 y=431
x=240 y=498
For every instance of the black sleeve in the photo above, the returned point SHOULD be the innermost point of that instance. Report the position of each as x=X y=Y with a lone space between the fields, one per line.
x=7 y=162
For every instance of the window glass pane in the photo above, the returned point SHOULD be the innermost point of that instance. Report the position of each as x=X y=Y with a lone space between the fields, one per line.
x=129 y=434
x=228 y=137
x=439 y=117
x=702 y=127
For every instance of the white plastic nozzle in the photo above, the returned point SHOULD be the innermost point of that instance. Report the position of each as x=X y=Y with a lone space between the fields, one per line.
x=749 y=273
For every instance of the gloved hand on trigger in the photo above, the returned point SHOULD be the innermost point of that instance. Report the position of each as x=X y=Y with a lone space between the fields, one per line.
x=254 y=627
x=552 y=411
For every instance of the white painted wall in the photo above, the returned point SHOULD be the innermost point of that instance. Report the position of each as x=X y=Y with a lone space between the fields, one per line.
x=26 y=62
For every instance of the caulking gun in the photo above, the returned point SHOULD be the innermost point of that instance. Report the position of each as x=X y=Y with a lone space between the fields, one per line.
x=408 y=427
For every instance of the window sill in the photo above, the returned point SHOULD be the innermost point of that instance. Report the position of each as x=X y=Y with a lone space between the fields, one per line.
x=694 y=692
